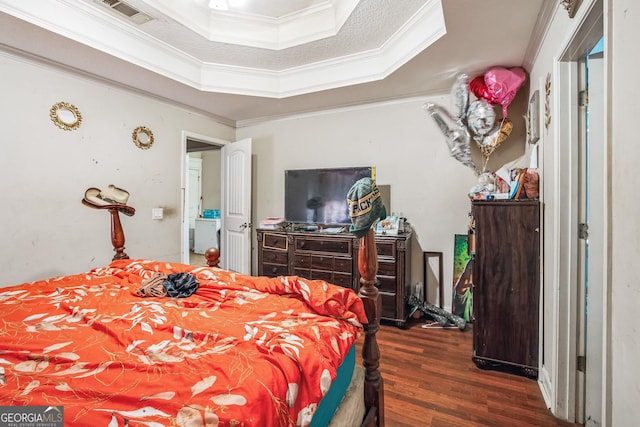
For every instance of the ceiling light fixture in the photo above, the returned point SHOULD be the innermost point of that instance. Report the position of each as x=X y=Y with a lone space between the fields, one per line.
x=219 y=4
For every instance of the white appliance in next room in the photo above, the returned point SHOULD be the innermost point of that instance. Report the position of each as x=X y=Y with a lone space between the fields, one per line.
x=206 y=234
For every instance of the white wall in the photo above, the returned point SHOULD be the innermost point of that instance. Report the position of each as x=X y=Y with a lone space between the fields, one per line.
x=46 y=231
x=211 y=179
x=427 y=185
x=624 y=24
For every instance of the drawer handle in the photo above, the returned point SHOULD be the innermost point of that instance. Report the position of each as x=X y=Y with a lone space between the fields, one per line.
x=274 y=269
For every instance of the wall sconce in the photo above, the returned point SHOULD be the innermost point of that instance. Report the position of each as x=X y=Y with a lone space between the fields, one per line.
x=571 y=6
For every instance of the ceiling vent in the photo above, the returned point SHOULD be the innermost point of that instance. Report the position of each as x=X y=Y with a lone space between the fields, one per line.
x=126 y=10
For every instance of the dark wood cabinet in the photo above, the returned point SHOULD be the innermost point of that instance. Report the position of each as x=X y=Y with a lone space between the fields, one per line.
x=334 y=258
x=506 y=285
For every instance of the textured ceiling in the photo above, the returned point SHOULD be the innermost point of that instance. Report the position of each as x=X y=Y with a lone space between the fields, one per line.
x=479 y=34
x=370 y=25
x=264 y=24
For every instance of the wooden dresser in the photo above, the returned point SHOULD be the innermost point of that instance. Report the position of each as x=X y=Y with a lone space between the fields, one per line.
x=506 y=285
x=333 y=257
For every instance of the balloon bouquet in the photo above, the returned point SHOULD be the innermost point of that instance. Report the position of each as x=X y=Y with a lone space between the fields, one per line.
x=498 y=86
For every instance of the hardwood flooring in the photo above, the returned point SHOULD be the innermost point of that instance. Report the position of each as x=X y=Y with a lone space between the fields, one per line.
x=430 y=380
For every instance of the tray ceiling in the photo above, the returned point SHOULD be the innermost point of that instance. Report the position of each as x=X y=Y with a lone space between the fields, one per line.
x=267 y=59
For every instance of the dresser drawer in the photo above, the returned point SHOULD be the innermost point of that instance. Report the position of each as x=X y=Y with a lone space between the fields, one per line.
x=302 y=272
x=332 y=245
x=330 y=263
x=388 y=305
x=327 y=276
x=386 y=249
x=343 y=279
x=387 y=284
x=302 y=261
x=275 y=241
x=386 y=268
x=322 y=262
x=343 y=265
x=274 y=257
x=274 y=270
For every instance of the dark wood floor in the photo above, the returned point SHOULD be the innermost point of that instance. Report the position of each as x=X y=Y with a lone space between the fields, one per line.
x=430 y=380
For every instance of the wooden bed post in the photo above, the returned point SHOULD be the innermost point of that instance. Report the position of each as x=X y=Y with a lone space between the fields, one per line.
x=213 y=257
x=117 y=235
x=368 y=268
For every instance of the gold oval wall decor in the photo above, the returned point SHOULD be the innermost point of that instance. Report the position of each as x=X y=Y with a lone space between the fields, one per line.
x=66 y=116
x=142 y=137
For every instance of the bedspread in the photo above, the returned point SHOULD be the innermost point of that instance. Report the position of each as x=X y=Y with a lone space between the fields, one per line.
x=241 y=351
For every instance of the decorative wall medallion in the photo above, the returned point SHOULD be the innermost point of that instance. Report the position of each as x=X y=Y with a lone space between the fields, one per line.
x=547 y=101
x=571 y=6
x=66 y=116
x=142 y=137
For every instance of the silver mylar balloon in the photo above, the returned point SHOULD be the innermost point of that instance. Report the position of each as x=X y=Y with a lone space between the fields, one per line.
x=460 y=95
x=481 y=117
x=441 y=116
x=458 y=140
x=456 y=134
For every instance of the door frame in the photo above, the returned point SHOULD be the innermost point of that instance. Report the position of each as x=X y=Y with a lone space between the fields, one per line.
x=563 y=399
x=184 y=182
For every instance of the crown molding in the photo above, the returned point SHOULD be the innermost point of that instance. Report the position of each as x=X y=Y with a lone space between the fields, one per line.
x=539 y=32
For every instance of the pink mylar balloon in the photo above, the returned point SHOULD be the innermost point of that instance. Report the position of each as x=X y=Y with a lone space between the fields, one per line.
x=503 y=84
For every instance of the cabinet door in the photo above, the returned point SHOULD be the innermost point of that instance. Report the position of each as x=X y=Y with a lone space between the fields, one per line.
x=506 y=281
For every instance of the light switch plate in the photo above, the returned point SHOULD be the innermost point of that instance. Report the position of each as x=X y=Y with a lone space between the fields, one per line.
x=157 y=213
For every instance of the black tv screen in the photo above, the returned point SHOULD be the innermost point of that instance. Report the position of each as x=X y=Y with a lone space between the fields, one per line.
x=319 y=196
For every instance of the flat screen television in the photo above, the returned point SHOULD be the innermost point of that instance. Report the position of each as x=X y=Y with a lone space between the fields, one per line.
x=319 y=196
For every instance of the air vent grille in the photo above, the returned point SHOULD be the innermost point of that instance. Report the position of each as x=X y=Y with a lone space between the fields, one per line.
x=126 y=10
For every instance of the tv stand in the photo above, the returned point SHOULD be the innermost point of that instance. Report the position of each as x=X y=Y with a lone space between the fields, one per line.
x=333 y=257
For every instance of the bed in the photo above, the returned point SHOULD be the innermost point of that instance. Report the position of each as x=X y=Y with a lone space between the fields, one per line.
x=240 y=351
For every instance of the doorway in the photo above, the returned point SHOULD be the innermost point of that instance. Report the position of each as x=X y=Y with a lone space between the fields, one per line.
x=233 y=161
x=202 y=184
x=583 y=197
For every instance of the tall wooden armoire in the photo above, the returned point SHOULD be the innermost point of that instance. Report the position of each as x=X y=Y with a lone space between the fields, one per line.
x=506 y=280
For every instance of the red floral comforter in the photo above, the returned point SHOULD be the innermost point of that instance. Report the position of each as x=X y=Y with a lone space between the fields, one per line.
x=241 y=351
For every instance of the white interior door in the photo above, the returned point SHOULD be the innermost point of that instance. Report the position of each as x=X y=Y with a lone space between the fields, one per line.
x=235 y=234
